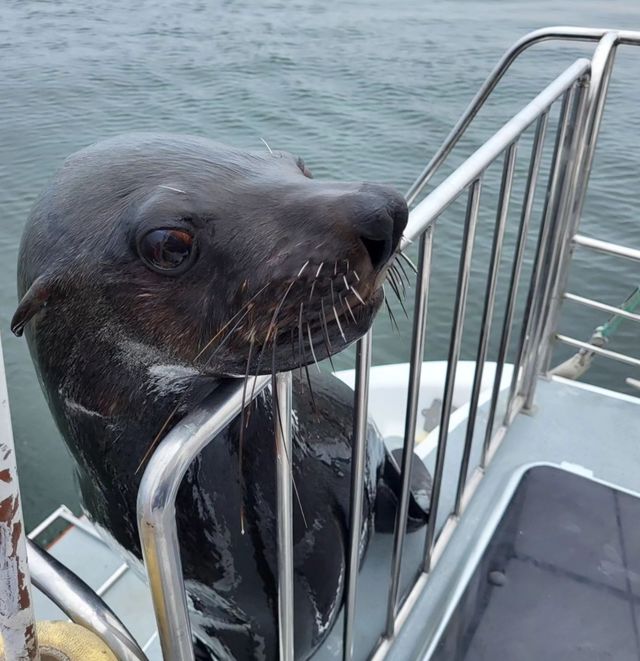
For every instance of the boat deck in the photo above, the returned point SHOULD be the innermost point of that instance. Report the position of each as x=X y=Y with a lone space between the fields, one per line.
x=579 y=428
x=582 y=429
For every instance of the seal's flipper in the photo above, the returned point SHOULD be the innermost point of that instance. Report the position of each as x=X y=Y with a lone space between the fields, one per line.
x=390 y=487
x=32 y=302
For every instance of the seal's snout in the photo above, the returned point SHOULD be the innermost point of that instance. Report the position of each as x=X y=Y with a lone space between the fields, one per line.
x=380 y=222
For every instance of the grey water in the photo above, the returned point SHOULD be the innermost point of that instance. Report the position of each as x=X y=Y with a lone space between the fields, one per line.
x=362 y=90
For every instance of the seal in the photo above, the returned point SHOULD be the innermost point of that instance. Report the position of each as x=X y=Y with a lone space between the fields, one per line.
x=152 y=268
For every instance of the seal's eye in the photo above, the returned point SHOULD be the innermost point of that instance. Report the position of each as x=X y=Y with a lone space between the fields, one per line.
x=166 y=249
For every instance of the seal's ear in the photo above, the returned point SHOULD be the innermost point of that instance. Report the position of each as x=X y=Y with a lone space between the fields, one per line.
x=32 y=302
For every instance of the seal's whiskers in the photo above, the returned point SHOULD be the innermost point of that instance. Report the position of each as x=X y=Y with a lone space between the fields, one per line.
x=325 y=333
x=337 y=317
x=313 y=353
x=408 y=261
x=306 y=367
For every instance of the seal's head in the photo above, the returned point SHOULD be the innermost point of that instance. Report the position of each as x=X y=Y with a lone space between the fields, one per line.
x=227 y=260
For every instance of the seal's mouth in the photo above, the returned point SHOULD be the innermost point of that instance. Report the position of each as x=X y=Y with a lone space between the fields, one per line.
x=293 y=323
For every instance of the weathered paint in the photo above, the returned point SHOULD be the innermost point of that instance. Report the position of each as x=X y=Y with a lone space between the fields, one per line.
x=16 y=612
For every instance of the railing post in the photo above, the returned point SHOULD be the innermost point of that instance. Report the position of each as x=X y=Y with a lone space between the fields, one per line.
x=602 y=66
x=358 y=455
x=17 y=624
x=546 y=259
x=462 y=289
x=421 y=305
x=284 y=468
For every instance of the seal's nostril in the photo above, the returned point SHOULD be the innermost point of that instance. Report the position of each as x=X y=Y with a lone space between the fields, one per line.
x=379 y=250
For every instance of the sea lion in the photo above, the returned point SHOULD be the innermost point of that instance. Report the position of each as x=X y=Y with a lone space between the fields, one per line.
x=153 y=267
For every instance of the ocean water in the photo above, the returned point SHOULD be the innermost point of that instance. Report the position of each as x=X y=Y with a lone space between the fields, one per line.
x=362 y=90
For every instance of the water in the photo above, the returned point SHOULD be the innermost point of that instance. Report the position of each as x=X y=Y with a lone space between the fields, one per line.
x=361 y=90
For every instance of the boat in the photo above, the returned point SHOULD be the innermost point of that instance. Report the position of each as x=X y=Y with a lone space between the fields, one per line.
x=532 y=548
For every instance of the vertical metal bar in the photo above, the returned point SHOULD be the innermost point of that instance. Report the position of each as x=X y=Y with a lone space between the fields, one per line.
x=516 y=269
x=284 y=458
x=462 y=289
x=487 y=315
x=553 y=248
x=551 y=194
x=415 y=369
x=531 y=308
x=601 y=68
x=363 y=365
x=17 y=623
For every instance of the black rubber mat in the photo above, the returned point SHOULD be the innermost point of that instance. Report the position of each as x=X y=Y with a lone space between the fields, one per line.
x=560 y=578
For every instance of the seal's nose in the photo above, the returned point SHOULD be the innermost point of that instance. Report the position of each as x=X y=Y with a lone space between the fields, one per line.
x=380 y=223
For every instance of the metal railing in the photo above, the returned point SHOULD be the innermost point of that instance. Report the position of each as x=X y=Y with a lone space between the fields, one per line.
x=581 y=90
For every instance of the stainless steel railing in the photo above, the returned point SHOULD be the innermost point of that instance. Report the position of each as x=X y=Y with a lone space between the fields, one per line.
x=581 y=89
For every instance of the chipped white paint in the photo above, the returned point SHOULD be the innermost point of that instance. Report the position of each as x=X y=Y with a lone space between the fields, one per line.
x=16 y=613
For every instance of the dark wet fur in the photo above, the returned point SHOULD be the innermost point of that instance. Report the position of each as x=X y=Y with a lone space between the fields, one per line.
x=288 y=271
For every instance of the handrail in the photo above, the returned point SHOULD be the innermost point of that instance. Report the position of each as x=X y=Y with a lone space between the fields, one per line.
x=564 y=33
x=439 y=199
x=81 y=603
x=606 y=247
x=157 y=513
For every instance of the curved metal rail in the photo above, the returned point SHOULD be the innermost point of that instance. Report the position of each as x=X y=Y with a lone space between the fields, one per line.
x=157 y=512
x=556 y=33
x=81 y=604
x=583 y=89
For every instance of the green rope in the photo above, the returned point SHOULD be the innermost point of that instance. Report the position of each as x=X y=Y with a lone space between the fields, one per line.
x=610 y=327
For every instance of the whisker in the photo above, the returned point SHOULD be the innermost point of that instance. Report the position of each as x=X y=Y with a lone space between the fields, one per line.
x=398 y=281
x=403 y=271
x=304 y=266
x=394 y=286
x=313 y=353
x=335 y=314
x=346 y=284
x=407 y=259
x=346 y=300
x=391 y=315
x=356 y=274
x=155 y=441
x=306 y=368
x=357 y=295
x=271 y=328
x=230 y=321
x=319 y=269
x=325 y=334
x=267 y=146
